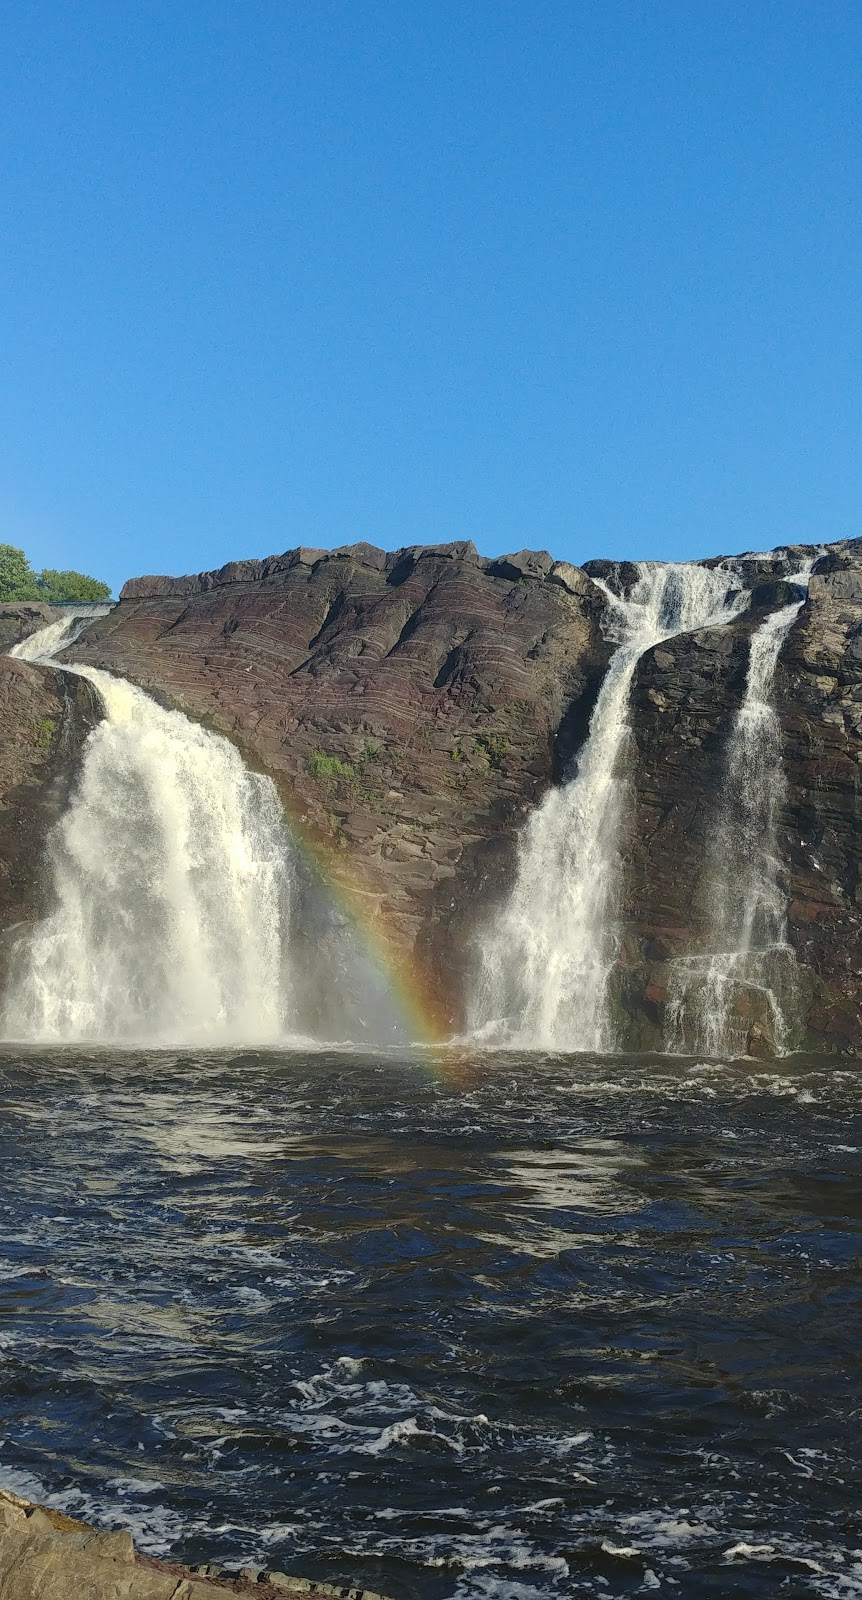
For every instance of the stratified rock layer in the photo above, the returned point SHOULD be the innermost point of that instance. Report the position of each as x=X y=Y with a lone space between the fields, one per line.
x=410 y=706
x=819 y=700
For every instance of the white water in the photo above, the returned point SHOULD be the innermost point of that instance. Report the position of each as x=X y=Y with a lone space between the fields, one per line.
x=547 y=957
x=748 y=936
x=171 y=887
x=48 y=642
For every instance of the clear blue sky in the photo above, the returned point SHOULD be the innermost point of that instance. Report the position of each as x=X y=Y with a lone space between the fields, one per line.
x=576 y=275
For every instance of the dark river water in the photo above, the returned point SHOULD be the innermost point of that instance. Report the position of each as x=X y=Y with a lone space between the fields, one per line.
x=501 y=1329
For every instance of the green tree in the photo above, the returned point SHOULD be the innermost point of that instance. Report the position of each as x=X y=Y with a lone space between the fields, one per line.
x=55 y=586
x=17 y=578
x=18 y=581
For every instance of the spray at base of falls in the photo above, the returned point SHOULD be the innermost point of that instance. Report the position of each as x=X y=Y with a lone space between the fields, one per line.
x=749 y=953
x=547 y=956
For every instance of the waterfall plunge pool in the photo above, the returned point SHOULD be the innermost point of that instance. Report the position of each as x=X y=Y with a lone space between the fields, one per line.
x=507 y=1329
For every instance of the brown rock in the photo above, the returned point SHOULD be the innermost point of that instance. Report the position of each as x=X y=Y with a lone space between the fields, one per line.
x=428 y=690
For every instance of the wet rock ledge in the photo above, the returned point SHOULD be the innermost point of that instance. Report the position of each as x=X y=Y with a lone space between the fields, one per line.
x=45 y=1555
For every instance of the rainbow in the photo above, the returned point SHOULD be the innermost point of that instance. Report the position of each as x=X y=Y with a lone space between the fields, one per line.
x=416 y=998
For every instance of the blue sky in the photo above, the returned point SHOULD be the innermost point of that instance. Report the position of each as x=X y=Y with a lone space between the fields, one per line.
x=580 y=276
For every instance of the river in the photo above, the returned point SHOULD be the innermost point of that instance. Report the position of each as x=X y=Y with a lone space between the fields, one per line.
x=489 y=1327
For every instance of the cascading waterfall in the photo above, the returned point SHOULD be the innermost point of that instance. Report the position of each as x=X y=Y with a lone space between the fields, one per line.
x=749 y=953
x=546 y=959
x=48 y=642
x=171 y=881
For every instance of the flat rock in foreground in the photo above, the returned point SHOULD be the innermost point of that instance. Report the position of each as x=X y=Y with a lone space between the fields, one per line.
x=45 y=1555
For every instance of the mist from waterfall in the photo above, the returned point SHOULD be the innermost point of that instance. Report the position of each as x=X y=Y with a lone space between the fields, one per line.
x=545 y=960
x=748 y=953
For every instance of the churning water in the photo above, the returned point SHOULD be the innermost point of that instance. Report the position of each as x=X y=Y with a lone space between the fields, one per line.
x=538 y=1328
x=546 y=959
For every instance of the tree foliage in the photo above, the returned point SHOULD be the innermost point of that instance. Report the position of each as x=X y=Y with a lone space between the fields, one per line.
x=18 y=581
x=17 y=578
x=55 y=585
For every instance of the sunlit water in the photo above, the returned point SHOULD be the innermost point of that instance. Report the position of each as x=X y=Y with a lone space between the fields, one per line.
x=537 y=1328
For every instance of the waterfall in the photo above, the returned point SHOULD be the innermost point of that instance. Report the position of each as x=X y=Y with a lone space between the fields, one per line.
x=48 y=642
x=749 y=956
x=171 y=886
x=546 y=958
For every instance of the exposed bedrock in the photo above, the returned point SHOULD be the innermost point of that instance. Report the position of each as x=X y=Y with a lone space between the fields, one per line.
x=410 y=706
x=45 y=717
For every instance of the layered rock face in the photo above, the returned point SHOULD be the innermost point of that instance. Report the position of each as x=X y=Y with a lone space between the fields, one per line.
x=411 y=707
x=45 y=717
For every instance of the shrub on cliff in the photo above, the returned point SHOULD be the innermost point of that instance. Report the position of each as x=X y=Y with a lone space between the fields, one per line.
x=336 y=775
x=18 y=581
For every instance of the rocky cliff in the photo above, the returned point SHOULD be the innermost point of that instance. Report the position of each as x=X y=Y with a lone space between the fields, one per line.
x=410 y=706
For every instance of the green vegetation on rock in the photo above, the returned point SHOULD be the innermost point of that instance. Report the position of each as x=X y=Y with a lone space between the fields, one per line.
x=18 y=581
x=332 y=772
x=493 y=746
